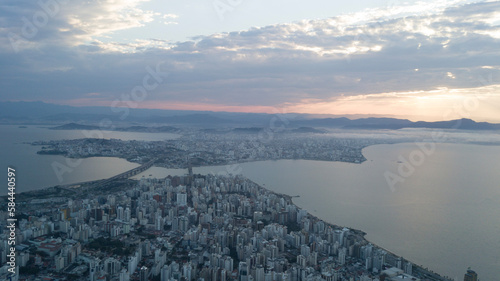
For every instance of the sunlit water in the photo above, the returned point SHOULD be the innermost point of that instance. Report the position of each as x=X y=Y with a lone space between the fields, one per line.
x=37 y=171
x=445 y=215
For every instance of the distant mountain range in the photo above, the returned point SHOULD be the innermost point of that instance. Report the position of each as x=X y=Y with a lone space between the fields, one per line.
x=156 y=120
x=395 y=124
x=142 y=129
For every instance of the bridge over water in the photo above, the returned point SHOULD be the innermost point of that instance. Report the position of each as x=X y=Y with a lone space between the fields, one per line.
x=124 y=175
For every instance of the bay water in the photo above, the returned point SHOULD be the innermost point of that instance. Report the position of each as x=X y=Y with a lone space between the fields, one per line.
x=439 y=209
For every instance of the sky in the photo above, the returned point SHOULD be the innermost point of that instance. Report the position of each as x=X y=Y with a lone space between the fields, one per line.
x=421 y=60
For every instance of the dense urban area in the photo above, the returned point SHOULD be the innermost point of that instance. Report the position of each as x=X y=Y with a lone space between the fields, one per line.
x=215 y=149
x=193 y=227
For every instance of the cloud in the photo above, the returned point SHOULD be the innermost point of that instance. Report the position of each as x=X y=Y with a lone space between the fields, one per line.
x=439 y=104
x=170 y=16
x=374 y=52
x=68 y=23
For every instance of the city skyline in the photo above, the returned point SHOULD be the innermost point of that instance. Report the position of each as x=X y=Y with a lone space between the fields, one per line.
x=278 y=140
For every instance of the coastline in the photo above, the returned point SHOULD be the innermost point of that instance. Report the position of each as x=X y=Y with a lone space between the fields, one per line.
x=333 y=222
x=419 y=268
x=55 y=193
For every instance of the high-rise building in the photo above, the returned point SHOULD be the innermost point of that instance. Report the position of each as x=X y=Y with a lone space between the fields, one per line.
x=187 y=271
x=183 y=224
x=93 y=268
x=471 y=275
x=259 y=273
x=120 y=213
x=112 y=266
x=165 y=273
x=127 y=214
x=399 y=263
x=181 y=199
x=342 y=256
x=243 y=271
x=409 y=268
x=124 y=275
x=144 y=273
x=305 y=250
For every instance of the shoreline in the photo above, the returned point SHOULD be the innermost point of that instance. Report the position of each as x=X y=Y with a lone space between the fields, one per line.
x=73 y=189
x=357 y=231
x=275 y=160
x=222 y=165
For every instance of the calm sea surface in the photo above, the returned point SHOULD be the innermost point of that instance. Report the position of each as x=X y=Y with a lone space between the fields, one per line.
x=37 y=171
x=443 y=213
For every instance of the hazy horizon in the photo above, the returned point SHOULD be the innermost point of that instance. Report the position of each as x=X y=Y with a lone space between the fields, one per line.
x=277 y=112
x=382 y=115
x=419 y=60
